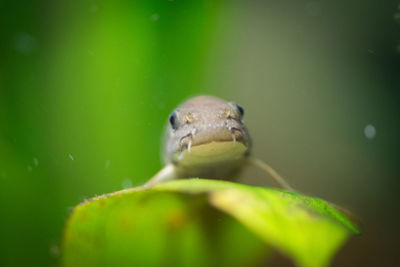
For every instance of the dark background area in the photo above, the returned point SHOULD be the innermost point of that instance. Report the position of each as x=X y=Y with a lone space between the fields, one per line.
x=86 y=87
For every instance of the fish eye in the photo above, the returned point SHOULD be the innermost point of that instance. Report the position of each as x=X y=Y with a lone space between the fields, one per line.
x=238 y=108
x=173 y=120
x=241 y=110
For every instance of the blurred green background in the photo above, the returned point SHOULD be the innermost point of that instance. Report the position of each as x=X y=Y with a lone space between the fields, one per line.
x=86 y=87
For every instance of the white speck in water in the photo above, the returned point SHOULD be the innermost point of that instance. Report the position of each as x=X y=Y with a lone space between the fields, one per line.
x=396 y=17
x=107 y=164
x=54 y=250
x=35 y=161
x=370 y=131
x=93 y=8
x=313 y=8
x=29 y=167
x=71 y=157
x=126 y=183
x=155 y=17
x=25 y=43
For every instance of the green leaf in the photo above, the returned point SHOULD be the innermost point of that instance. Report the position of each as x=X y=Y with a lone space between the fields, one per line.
x=196 y=222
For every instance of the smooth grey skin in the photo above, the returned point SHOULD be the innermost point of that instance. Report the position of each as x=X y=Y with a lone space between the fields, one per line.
x=207 y=138
x=201 y=121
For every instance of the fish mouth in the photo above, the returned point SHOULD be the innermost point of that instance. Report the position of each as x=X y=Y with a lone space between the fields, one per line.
x=213 y=153
x=218 y=134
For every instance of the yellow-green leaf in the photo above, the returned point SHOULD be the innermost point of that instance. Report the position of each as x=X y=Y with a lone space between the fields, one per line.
x=196 y=222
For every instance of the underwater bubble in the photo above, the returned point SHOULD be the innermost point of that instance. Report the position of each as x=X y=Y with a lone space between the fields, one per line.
x=93 y=8
x=369 y=131
x=155 y=17
x=54 y=250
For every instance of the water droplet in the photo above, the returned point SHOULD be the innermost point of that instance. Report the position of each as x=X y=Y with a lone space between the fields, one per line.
x=369 y=131
x=126 y=183
x=71 y=157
